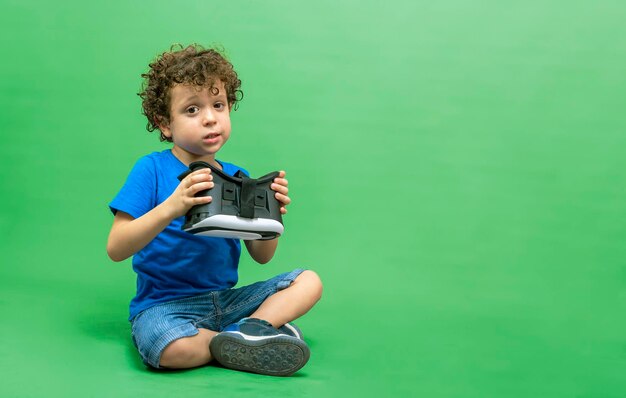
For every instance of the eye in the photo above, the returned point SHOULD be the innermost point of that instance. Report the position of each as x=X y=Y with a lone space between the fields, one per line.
x=219 y=105
x=192 y=110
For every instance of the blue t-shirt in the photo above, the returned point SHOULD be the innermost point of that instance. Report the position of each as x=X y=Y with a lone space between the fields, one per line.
x=175 y=264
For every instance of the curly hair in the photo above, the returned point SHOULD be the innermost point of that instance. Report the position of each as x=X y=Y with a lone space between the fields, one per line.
x=191 y=65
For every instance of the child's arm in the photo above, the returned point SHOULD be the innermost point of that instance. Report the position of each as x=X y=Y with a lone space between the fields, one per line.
x=262 y=251
x=129 y=235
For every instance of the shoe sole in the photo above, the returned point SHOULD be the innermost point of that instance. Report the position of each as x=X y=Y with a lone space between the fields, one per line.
x=275 y=356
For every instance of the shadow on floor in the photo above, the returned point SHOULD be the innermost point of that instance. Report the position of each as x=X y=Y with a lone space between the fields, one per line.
x=113 y=327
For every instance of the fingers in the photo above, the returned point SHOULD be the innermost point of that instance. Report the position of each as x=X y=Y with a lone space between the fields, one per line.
x=198 y=176
x=280 y=188
x=201 y=200
x=280 y=185
x=284 y=199
x=199 y=180
x=281 y=181
x=199 y=186
x=200 y=171
x=192 y=200
x=281 y=178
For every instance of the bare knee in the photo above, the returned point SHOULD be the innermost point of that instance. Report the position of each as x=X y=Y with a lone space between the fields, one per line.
x=178 y=354
x=310 y=281
x=187 y=352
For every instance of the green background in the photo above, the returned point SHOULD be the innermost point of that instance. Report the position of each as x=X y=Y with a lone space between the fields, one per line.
x=457 y=170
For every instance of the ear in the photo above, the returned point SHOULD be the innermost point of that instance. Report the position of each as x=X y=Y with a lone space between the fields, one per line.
x=165 y=128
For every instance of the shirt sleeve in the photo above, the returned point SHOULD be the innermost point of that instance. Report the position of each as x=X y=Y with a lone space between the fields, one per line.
x=138 y=195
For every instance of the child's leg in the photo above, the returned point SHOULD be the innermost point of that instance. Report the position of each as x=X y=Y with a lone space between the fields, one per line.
x=253 y=345
x=188 y=352
x=176 y=334
x=281 y=307
x=291 y=303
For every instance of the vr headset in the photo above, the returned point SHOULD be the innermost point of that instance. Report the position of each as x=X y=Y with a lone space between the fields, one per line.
x=242 y=207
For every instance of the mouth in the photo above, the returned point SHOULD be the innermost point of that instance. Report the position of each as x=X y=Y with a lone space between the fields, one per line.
x=211 y=136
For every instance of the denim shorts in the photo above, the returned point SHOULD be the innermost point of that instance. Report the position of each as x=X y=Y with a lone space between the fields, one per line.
x=156 y=327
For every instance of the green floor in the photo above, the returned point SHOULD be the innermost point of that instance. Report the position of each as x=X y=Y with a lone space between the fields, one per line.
x=457 y=171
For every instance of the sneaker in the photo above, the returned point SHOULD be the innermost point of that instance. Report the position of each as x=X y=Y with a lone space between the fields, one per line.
x=254 y=345
x=292 y=330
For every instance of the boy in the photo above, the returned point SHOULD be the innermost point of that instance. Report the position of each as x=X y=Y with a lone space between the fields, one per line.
x=186 y=312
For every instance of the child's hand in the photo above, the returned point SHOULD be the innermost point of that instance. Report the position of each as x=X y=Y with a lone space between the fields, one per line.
x=183 y=197
x=280 y=186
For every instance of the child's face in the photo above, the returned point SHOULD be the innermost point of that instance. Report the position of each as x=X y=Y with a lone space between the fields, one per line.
x=199 y=121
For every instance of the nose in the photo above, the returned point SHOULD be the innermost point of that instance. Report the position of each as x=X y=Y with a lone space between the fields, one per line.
x=208 y=117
